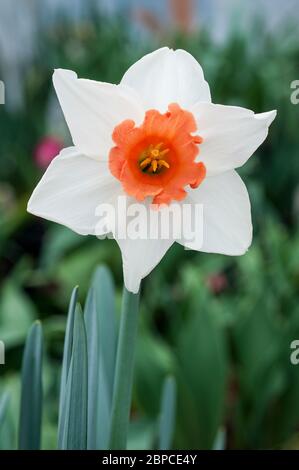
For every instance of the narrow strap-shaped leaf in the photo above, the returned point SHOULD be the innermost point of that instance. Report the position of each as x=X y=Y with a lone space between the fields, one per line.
x=31 y=391
x=167 y=414
x=105 y=302
x=124 y=369
x=5 y=424
x=202 y=348
x=4 y=401
x=67 y=353
x=73 y=432
x=220 y=440
x=101 y=345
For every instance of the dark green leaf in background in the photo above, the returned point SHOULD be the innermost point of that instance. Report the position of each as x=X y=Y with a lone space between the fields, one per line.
x=202 y=358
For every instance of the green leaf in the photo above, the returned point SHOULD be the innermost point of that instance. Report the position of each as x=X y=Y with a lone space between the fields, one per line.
x=17 y=314
x=154 y=361
x=261 y=372
x=167 y=416
x=142 y=434
x=101 y=345
x=5 y=423
x=124 y=369
x=220 y=440
x=3 y=406
x=58 y=242
x=31 y=393
x=73 y=425
x=203 y=374
x=67 y=353
x=77 y=267
x=105 y=301
x=4 y=401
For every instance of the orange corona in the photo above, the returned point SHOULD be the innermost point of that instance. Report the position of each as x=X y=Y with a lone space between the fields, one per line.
x=157 y=159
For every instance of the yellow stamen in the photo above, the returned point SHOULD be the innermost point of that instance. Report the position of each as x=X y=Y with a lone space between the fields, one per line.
x=154 y=165
x=145 y=162
x=153 y=161
x=163 y=163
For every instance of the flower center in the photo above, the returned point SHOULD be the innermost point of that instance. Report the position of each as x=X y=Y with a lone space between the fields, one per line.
x=158 y=159
x=153 y=159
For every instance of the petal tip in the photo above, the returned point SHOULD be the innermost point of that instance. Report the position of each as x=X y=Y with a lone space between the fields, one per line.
x=268 y=116
x=31 y=209
x=60 y=74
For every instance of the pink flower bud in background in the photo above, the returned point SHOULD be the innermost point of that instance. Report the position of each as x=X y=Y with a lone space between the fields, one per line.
x=217 y=283
x=47 y=149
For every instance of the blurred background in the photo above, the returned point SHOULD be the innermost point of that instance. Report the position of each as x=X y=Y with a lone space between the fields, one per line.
x=222 y=325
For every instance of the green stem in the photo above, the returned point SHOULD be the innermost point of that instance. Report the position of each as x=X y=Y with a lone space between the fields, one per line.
x=122 y=390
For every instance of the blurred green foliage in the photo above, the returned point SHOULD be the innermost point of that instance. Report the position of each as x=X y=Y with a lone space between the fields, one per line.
x=221 y=326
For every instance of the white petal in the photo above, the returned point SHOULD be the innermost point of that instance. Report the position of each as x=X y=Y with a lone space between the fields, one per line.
x=167 y=76
x=140 y=256
x=230 y=134
x=92 y=110
x=227 y=226
x=71 y=189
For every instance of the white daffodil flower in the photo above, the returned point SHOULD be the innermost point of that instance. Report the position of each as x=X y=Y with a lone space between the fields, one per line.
x=156 y=138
